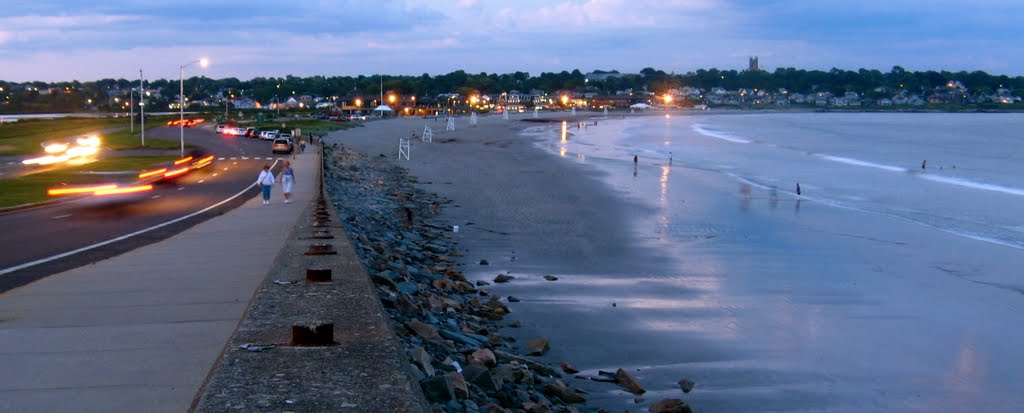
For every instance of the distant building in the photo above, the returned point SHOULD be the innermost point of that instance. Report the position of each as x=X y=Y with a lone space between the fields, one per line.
x=753 y=65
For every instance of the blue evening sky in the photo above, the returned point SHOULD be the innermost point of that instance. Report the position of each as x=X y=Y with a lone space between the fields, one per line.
x=54 y=40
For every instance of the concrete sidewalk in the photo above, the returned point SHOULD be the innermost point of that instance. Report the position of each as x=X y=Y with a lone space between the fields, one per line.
x=140 y=331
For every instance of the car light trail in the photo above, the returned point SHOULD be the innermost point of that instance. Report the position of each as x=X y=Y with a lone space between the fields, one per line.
x=147 y=174
x=79 y=189
x=176 y=172
x=125 y=190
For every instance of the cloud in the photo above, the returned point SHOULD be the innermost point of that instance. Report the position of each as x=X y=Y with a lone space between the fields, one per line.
x=276 y=37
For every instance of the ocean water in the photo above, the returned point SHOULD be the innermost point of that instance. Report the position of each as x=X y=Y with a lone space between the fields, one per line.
x=882 y=286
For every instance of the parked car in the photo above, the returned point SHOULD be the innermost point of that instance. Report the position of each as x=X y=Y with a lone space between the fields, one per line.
x=282 y=145
x=251 y=132
x=222 y=128
x=285 y=136
x=357 y=116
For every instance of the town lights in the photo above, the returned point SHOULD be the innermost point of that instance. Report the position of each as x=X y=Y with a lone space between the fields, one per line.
x=565 y=100
x=668 y=99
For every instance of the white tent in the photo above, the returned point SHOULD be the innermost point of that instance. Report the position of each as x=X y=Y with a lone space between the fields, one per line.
x=382 y=109
x=639 y=106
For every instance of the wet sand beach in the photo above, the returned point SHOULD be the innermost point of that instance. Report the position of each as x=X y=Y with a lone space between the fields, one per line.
x=767 y=303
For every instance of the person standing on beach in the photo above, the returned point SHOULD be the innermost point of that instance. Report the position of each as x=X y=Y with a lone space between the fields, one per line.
x=265 y=182
x=287 y=180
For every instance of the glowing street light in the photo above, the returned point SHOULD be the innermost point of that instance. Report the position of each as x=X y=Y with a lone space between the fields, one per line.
x=391 y=99
x=359 y=103
x=668 y=99
x=181 y=97
x=565 y=100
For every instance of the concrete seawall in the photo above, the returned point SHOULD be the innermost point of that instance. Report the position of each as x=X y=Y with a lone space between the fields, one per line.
x=363 y=370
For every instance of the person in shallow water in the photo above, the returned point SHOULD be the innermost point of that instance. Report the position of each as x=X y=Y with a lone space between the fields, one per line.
x=798 y=188
x=924 y=163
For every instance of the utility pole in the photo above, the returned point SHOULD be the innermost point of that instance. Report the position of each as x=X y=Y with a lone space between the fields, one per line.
x=142 y=109
x=131 y=107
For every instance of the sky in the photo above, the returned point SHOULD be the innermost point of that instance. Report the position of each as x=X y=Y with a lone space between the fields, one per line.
x=63 y=40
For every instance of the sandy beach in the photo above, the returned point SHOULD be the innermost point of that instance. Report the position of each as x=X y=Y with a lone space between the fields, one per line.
x=671 y=273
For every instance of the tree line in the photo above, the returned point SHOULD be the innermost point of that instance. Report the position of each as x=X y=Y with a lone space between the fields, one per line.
x=98 y=95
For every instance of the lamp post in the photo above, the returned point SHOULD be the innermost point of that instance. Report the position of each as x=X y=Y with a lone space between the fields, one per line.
x=181 y=98
x=142 y=109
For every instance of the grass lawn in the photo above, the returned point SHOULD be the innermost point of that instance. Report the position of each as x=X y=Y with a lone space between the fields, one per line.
x=24 y=137
x=123 y=139
x=308 y=126
x=32 y=188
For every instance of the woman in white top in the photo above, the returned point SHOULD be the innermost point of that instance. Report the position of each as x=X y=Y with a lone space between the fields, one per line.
x=266 y=181
x=287 y=180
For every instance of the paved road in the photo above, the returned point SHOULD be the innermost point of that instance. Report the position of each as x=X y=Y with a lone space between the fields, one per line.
x=36 y=234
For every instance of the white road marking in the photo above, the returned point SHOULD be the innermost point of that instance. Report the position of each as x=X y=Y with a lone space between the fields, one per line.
x=180 y=188
x=215 y=174
x=202 y=180
x=156 y=196
x=62 y=216
x=123 y=237
x=220 y=159
x=233 y=158
x=245 y=158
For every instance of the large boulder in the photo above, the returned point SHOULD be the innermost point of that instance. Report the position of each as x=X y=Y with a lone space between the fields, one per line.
x=503 y=278
x=686 y=385
x=558 y=389
x=538 y=346
x=422 y=359
x=483 y=356
x=482 y=377
x=438 y=389
x=423 y=330
x=626 y=380
x=670 y=406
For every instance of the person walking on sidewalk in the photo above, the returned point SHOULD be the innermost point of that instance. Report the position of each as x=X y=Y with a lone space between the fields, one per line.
x=287 y=180
x=266 y=181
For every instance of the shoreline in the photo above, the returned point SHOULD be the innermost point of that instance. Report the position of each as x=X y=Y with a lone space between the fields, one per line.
x=672 y=275
x=488 y=171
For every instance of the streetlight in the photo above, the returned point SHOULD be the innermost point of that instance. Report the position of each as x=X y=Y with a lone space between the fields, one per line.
x=181 y=98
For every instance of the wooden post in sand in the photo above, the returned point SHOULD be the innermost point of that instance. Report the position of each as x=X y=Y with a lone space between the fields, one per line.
x=504 y=114
x=450 y=126
x=535 y=113
x=472 y=119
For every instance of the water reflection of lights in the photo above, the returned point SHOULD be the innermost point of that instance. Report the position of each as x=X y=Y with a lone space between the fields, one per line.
x=565 y=131
x=720 y=327
x=561 y=151
x=663 y=181
x=968 y=371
